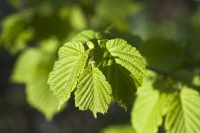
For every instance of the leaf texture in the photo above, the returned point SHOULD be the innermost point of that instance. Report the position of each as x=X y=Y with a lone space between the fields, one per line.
x=148 y=109
x=184 y=112
x=32 y=68
x=71 y=62
x=93 y=91
x=124 y=70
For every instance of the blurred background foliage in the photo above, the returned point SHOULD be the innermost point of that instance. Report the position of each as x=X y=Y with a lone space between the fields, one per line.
x=166 y=32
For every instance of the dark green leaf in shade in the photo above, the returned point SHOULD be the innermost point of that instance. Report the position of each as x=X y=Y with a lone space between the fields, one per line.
x=125 y=70
x=192 y=48
x=162 y=54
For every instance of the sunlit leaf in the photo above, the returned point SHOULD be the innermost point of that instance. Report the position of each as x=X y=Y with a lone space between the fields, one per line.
x=149 y=107
x=93 y=91
x=71 y=62
x=124 y=70
x=183 y=113
x=121 y=63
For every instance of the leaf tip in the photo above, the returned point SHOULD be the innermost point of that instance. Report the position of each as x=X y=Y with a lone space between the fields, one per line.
x=95 y=115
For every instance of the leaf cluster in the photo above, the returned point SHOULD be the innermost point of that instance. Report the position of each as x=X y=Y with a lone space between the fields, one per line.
x=97 y=69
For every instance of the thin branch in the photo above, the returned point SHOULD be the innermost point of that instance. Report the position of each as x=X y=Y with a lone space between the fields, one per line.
x=159 y=71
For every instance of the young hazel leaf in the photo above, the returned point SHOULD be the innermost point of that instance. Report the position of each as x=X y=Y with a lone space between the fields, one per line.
x=184 y=112
x=93 y=91
x=71 y=62
x=148 y=109
x=125 y=70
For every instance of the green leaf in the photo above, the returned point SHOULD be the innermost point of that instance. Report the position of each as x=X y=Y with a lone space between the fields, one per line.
x=124 y=69
x=183 y=113
x=77 y=18
x=112 y=33
x=85 y=36
x=192 y=48
x=118 y=129
x=50 y=45
x=93 y=91
x=15 y=34
x=32 y=68
x=25 y=66
x=39 y=94
x=149 y=107
x=162 y=54
x=71 y=62
x=109 y=9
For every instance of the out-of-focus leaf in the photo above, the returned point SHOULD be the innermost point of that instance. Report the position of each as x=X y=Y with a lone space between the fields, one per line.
x=48 y=25
x=149 y=107
x=118 y=129
x=32 y=68
x=184 y=76
x=162 y=54
x=117 y=9
x=77 y=18
x=183 y=113
x=196 y=80
x=50 y=45
x=187 y=78
x=192 y=48
x=15 y=34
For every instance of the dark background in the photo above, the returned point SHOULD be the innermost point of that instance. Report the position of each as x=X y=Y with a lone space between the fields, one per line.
x=17 y=116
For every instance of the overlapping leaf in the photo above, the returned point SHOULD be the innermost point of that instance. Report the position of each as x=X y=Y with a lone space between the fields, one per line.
x=93 y=91
x=123 y=67
x=33 y=68
x=184 y=112
x=85 y=36
x=122 y=84
x=148 y=108
x=71 y=62
x=124 y=70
